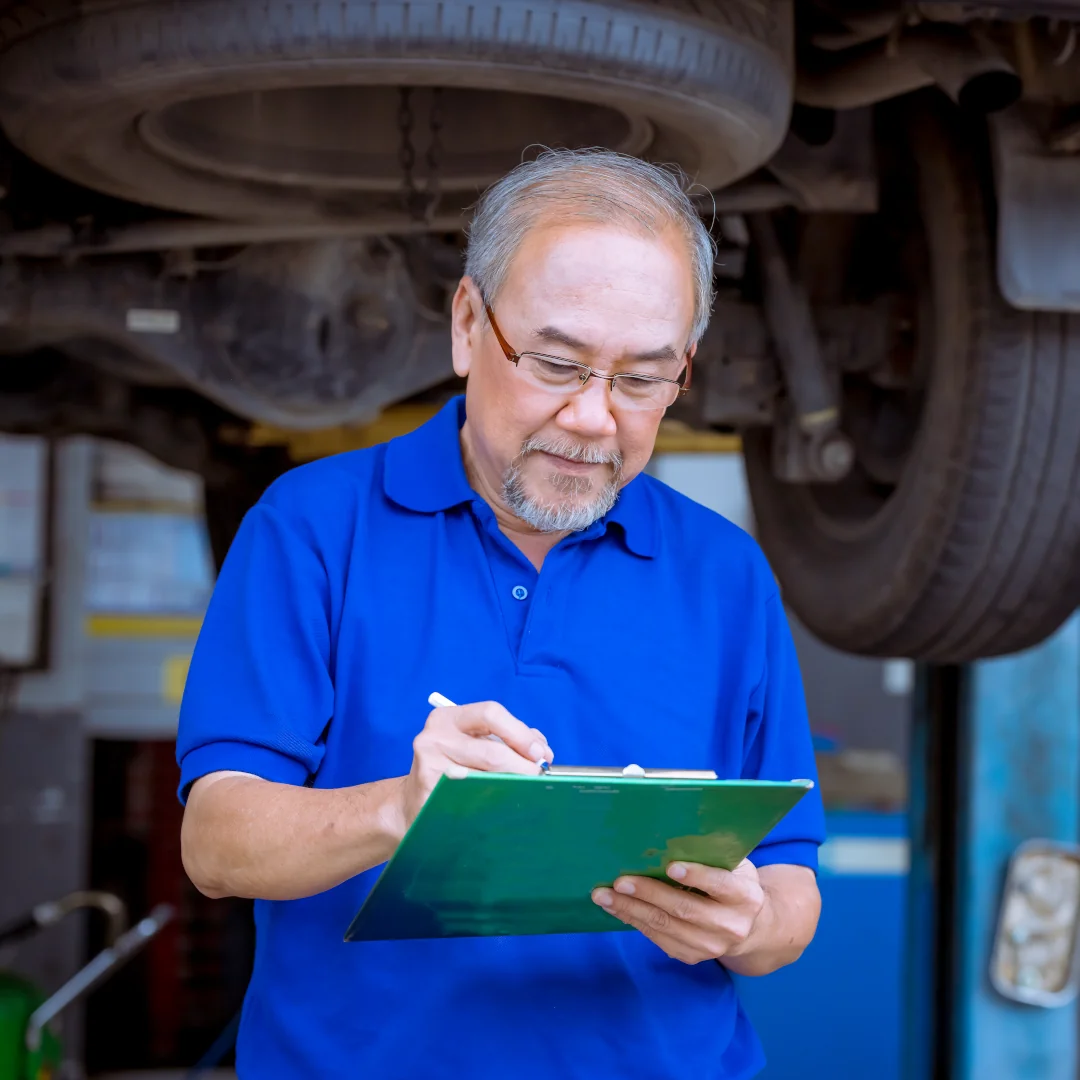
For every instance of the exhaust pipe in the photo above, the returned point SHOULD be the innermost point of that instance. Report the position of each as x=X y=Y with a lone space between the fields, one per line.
x=968 y=68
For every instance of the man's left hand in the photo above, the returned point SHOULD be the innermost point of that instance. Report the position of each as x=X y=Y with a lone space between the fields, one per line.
x=688 y=926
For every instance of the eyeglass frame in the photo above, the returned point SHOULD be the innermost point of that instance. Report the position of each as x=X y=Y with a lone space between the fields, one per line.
x=514 y=357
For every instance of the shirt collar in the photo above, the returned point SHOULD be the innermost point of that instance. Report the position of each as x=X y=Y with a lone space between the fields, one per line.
x=635 y=518
x=424 y=472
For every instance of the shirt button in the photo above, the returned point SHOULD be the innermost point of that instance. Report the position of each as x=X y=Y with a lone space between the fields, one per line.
x=519 y=592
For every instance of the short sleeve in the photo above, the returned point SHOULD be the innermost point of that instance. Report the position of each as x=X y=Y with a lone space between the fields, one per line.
x=259 y=694
x=778 y=746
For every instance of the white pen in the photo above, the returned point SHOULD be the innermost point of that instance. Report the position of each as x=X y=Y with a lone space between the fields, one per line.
x=440 y=701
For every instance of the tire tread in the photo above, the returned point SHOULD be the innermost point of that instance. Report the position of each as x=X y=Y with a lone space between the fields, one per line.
x=981 y=553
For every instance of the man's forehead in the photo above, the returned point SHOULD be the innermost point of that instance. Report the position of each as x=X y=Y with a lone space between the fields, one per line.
x=553 y=239
x=560 y=261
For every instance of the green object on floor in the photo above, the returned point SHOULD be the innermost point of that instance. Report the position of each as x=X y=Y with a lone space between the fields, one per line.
x=493 y=854
x=18 y=999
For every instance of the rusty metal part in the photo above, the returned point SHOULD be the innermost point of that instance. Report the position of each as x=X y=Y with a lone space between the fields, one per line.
x=300 y=335
x=739 y=374
x=856 y=28
x=840 y=174
x=809 y=445
x=52 y=241
x=190 y=234
x=967 y=66
x=741 y=378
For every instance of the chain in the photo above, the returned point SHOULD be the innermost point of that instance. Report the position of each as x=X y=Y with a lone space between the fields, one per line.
x=434 y=154
x=406 y=153
x=420 y=205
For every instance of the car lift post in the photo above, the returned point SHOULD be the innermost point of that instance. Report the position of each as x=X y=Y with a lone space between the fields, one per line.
x=995 y=762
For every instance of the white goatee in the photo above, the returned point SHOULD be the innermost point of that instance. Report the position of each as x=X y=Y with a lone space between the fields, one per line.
x=567 y=515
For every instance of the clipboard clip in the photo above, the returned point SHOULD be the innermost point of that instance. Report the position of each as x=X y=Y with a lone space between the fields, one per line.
x=633 y=771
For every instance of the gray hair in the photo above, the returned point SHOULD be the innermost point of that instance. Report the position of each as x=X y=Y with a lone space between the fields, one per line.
x=591 y=185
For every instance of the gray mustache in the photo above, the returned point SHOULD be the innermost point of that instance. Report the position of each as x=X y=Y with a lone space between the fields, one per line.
x=572 y=451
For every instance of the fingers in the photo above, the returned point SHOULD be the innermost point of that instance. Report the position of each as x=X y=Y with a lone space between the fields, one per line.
x=681 y=940
x=734 y=888
x=438 y=748
x=484 y=737
x=491 y=718
x=456 y=738
x=679 y=950
x=696 y=926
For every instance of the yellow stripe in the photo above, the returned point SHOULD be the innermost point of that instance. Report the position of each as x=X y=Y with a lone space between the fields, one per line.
x=156 y=626
x=673 y=438
x=308 y=445
x=132 y=506
x=681 y=440
x=174 y=673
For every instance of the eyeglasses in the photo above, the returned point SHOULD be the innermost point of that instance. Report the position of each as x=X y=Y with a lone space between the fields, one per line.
x=629 y=390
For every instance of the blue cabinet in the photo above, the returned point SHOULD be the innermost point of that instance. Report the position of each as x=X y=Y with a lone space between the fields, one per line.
x=837 y=1012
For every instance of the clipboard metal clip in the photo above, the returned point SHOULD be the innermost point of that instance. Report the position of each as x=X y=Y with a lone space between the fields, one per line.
x=635 y=771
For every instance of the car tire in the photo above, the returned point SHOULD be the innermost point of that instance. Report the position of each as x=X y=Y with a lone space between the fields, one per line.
x=108 y=93
x=974 y=551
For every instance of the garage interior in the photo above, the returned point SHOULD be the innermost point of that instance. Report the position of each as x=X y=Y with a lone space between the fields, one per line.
x=919 y=824
x=123 y=542
x=229 y=236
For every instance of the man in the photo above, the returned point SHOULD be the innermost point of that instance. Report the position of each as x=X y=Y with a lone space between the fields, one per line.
x=509 y=554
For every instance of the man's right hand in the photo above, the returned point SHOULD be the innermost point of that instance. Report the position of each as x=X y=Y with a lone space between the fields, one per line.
x=245 y=836
x=455 y=739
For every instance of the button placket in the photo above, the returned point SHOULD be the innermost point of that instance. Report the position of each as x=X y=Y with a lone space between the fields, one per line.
x=507 y=569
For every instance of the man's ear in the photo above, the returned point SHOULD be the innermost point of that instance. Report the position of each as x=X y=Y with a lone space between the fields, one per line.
x=466 y=325
x=690 y=353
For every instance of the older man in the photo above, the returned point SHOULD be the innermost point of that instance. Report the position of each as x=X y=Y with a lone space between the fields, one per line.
x=511 y=554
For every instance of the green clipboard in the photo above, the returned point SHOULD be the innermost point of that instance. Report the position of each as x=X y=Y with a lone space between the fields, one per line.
x=494 y=853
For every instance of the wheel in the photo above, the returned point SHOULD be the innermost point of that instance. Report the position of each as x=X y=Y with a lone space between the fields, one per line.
x=957 y=534
x=258 y=109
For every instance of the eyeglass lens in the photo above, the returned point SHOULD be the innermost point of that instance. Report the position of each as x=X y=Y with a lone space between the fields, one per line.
x=564 y=376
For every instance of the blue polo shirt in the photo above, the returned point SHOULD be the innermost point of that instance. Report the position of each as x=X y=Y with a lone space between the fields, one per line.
x=361 y=583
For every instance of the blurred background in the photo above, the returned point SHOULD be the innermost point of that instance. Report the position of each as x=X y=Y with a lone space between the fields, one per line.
x=229 y=238
x=107 y=570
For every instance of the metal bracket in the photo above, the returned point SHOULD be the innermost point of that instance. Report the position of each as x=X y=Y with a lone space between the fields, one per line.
x=840 y=174
x=740 y=377
x=1038 y=257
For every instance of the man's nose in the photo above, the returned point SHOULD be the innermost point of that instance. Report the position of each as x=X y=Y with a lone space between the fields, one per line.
x=588 y=413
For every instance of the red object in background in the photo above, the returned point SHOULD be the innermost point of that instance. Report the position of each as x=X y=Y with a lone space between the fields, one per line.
x=189 y=988
x=167 y=1006
x=152 y=797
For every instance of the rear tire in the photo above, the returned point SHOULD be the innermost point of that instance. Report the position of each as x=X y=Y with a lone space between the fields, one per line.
x=973 y=549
